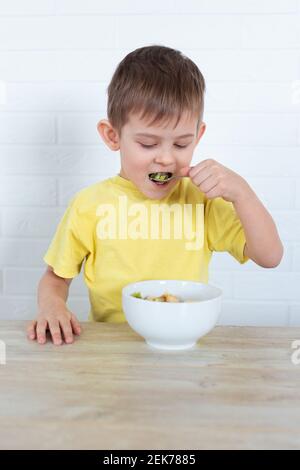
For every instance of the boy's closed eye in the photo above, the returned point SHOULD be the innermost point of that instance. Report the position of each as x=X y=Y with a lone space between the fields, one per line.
x=151 y=146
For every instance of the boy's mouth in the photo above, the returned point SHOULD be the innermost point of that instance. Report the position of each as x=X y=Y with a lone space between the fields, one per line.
x=161 y=177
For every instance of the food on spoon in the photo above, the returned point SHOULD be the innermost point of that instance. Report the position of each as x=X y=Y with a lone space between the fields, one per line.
x=160 y=176
x=166 y=297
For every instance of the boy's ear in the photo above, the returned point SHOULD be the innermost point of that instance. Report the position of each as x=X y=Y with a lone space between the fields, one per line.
x=201 y=131
x=108 y=134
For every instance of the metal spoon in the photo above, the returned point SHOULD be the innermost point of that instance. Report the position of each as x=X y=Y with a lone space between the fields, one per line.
x=173 y=177
x=163 y=180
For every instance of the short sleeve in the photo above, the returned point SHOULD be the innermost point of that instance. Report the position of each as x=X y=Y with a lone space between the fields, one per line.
x=224 y=229
x=67 y=249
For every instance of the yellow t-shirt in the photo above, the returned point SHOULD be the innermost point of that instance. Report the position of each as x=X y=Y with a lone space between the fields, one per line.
x=123 y=238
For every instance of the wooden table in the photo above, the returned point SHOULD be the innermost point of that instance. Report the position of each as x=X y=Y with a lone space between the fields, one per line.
x=238 y=388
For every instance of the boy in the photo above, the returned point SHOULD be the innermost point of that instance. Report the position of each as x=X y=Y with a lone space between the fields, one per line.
x=155 y=110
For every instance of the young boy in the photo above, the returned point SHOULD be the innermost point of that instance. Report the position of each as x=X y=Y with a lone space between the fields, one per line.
x=155 y=110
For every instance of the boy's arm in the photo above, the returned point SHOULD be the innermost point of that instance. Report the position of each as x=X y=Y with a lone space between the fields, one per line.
x=263 y=244
x=52 y=310
x=52 y=289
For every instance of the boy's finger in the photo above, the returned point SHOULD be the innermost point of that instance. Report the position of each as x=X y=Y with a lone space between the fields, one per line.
x=31 y=329
x=202 y=176
x=67 y=330
x=41 y=331
x=75 y=325
x=55 y=332
x=199 y=167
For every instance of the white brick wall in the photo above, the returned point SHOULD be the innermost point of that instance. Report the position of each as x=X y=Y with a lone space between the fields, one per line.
x=56 y=59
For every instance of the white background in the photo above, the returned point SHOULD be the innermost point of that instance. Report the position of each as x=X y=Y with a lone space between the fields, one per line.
x=56 y=60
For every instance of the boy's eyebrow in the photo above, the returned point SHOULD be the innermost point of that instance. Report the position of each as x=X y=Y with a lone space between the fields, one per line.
x=143 y=134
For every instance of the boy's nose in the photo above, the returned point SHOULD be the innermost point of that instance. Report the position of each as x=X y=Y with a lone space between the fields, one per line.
x=164 y=158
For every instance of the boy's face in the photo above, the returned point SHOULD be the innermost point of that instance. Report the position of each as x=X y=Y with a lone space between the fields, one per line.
x=149 y=149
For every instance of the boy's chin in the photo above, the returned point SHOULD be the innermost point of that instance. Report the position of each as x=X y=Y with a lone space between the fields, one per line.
x=155 y=194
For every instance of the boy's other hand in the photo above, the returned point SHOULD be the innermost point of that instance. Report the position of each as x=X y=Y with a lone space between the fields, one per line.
x=215 y=180
x=63 y=325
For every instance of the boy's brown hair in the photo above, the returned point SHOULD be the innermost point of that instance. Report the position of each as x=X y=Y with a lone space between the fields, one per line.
x=155 y=82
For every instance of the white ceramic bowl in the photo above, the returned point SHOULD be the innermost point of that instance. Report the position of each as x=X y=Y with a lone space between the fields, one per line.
x=171 y=325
